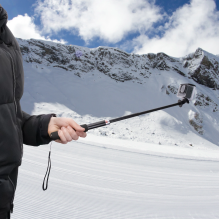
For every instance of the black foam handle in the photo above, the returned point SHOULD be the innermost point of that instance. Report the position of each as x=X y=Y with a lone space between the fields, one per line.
x=54 y=135
x=85 y=127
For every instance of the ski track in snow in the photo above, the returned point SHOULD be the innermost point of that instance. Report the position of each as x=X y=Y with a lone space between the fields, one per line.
x=90 y=181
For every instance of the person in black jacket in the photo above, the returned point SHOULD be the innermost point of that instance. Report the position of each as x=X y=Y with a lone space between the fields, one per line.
x=16 y=126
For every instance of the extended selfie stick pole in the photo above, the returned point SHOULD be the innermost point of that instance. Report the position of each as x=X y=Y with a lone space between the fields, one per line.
x=55 y=136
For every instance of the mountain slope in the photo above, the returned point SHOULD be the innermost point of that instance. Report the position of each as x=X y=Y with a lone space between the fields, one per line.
x=107 y=82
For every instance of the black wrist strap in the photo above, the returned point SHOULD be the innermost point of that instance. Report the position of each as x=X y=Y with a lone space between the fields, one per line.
x=46 y=178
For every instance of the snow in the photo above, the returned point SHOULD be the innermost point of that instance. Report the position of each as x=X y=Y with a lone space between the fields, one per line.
x=97 y=97
x=151 y=166
x=93 y=179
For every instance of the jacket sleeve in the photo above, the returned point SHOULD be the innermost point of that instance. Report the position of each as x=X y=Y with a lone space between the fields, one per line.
x=35 y=129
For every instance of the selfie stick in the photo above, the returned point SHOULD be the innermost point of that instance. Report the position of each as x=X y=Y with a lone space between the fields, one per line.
x=54 y=135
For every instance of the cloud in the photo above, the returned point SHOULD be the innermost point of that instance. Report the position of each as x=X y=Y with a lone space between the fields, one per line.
x=24 y=27
x=191 y=26
x=109 y=20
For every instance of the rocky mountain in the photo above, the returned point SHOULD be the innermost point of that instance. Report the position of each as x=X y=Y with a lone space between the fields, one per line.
x=200 y=68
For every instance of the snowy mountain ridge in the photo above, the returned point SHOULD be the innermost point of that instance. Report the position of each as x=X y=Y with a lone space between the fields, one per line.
x=158 y=75
x=201 y=66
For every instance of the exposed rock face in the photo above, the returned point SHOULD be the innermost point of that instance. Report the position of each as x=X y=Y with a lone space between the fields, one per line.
x=122 y=66
x=197 y=123
x=203 y=101
x=203 y=68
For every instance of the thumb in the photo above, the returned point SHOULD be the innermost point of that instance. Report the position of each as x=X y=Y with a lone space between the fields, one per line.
x=75 y=126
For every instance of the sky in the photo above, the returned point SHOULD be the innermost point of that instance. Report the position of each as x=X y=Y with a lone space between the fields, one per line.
x=175 y=27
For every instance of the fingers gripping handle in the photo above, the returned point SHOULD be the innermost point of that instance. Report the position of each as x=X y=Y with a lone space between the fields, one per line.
x=54 y=135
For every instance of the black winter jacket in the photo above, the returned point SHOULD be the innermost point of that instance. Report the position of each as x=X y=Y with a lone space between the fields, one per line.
x=16 y=126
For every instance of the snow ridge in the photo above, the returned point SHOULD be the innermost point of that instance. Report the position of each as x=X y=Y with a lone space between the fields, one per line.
x=128 y=77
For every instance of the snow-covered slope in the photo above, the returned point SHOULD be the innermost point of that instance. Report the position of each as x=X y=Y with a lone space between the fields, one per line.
x=106 y=180
x=107 y=82
x=160 y=165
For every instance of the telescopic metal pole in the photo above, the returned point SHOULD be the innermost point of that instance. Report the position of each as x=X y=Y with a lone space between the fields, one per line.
x=54 y=135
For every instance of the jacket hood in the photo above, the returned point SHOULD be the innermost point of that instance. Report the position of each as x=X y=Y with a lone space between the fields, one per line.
x=5 y=34
x=3 y=17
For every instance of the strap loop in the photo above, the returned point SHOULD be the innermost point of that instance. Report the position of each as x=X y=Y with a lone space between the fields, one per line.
x=46 y=178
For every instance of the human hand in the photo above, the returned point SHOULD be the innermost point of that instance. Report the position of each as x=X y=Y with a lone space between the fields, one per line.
x=67 y=128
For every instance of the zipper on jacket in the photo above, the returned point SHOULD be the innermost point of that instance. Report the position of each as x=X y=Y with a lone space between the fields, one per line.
x=14 y=94
x=12 y=200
